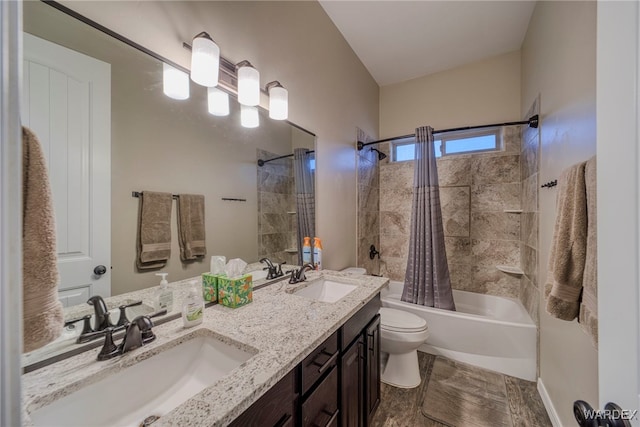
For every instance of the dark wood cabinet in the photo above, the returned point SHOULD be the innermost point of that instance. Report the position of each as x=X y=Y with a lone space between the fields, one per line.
x=337 y=384
x=372 y=375
x=351 y=384
x=277 y=408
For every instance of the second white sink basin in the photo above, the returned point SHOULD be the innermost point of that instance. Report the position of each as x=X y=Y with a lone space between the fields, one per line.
x=152 y=387
x=325 y=290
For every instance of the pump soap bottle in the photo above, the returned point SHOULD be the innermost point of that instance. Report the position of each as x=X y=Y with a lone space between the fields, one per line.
x=164 y=299
x=193 y=308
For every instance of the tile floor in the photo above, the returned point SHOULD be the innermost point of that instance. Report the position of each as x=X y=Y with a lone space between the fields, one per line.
x=403 y=408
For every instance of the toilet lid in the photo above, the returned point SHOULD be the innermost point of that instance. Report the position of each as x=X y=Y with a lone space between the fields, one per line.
x=401 y=321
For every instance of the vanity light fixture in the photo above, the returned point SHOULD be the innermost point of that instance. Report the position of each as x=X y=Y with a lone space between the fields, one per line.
x=248 y=84
x=249 y=116
x=278 y=101
x=205 y=60
x=217 y=101
x=175 y=83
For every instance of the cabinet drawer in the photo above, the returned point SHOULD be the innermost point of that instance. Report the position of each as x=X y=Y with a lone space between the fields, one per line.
x=359 y=321
x=319 y=361
x=321 y=407
x=276 y=408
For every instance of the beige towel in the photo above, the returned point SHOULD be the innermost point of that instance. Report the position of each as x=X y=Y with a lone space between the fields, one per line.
x=191 y=234
x=42 y=315
x=588 y=317
x=154 y=230
x=568 y=247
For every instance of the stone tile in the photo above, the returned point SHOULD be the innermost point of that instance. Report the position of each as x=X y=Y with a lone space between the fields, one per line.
x=454 y=171
x=273 y=183
x=495 y=197
x=529 y=263
x=461 y=276
x=392 y=199
x=395 y=223
x=385 y=148
x=525 y=404
x=458 y=250
x=274 y=223
x=397 y=175
x=490 y=280
x=395 y=246
x=455 y=203
x=530 y=189
x=393 y=268
x=495 y=225
x=529 y=157
x=274 y=242
x=368 y=199
x=489 y=253
x=511 y=137
x=275 y=202
x=495 y=170
x=281 y=167
x=368 y=224
x=530 y=229
x=530 y=298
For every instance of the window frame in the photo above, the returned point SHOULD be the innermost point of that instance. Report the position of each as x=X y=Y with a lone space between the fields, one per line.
x=453 y=136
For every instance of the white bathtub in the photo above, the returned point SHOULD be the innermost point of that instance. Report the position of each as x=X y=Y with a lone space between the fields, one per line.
x=491 y=332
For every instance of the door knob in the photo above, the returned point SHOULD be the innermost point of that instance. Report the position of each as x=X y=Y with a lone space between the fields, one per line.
x=99 y=270
x=611 y=416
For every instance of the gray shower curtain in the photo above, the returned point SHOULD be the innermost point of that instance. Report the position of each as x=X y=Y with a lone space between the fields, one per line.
x=427 y=279
x=305 y=198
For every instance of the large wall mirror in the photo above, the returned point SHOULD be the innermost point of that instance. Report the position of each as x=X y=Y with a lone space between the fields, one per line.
x=149 y=142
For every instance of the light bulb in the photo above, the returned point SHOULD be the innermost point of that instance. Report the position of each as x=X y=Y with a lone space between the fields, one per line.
x=218 y=102
x=205 y=60
x=249 y=116
x=175 y=83
x=278 y=103
x=248 y=86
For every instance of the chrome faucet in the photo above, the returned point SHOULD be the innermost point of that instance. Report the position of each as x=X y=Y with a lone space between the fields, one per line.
x=275 y=270
x=297 y=275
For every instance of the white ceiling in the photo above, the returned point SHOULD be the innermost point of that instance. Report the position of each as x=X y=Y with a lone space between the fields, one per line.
x=401 y=40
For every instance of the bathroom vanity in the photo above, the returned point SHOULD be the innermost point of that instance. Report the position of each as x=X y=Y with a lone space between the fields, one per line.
x=289 y=358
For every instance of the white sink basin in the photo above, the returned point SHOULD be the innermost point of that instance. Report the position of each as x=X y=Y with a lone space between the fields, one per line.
x=153 y=386
x=325 y=290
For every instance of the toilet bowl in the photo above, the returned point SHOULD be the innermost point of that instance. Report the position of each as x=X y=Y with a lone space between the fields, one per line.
x=401 y=333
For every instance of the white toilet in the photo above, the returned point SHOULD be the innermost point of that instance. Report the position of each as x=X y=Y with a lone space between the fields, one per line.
x=401 y=333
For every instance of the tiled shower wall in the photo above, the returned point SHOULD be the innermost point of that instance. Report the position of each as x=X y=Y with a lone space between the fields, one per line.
x=475 y=191
x=276 y=206
x=368 y=205
x=529 y=289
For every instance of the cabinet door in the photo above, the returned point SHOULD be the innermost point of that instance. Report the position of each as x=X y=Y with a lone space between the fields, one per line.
x=352 y=366
x=372 y=378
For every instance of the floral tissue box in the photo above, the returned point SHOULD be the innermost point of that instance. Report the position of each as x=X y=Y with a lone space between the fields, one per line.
x=235 y=292
x=210 y=286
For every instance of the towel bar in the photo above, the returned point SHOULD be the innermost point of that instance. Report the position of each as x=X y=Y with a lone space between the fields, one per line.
x=139 y=193
x=550 y=184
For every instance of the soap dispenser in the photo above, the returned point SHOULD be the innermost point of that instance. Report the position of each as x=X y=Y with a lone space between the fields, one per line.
x=193 y=308
x=164 y=299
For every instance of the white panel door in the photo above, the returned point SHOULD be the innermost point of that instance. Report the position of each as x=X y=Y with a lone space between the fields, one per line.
x=67 y=104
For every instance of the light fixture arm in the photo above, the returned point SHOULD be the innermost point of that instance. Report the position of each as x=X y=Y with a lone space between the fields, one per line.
x=244 y=63
x=274 y=83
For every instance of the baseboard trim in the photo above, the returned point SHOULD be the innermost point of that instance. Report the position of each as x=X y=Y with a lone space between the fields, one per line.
x=548 y=404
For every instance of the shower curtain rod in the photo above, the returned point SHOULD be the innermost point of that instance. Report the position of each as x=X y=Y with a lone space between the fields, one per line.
x=532 y=122
x=262 y=162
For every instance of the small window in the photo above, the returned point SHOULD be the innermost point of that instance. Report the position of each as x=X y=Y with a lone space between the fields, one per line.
x=451 y=143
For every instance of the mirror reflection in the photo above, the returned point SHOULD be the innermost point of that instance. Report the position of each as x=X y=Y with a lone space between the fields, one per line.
x=97 y=105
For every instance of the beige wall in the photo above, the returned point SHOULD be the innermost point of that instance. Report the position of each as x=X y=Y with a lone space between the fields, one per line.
x=482 y=92
x=559 y=63
x=295 y=43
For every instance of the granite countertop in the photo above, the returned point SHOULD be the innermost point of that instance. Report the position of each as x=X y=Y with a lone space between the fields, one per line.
x=281 y=329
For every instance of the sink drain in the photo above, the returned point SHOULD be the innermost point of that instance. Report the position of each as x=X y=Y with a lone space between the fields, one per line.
x=149 y=420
